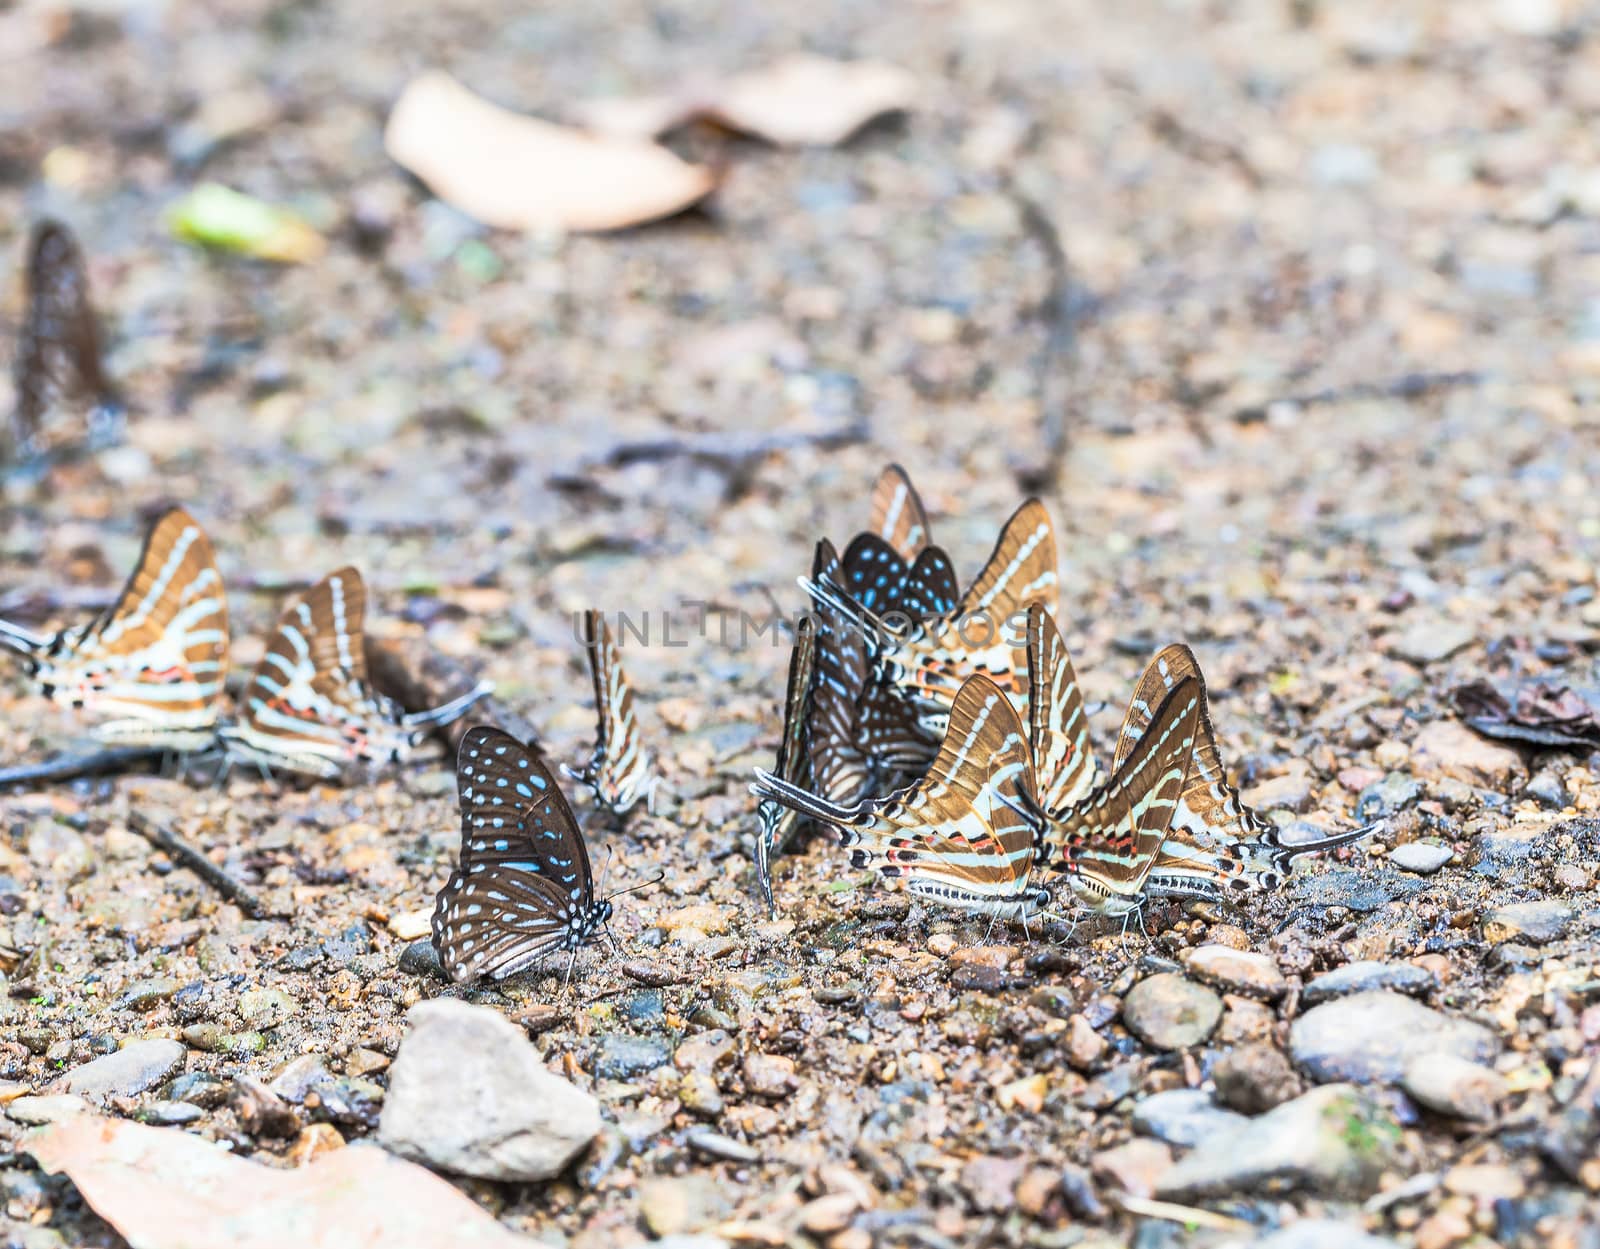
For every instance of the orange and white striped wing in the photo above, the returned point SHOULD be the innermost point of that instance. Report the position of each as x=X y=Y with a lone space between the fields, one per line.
x=619 y=771
x=1058 y=725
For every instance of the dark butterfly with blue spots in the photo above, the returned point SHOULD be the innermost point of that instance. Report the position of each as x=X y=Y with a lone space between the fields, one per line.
x=524 y=888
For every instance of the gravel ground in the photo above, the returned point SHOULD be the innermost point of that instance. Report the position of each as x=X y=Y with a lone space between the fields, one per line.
x=1327 y=357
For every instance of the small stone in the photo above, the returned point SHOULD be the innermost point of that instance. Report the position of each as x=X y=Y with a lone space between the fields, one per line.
x=688 y=1203
x=266 y=1008
x=1335 y=1140
x=991 y=1182
x=1532 y=923
x=170 y=1114
x=1077 y=1187
x=1391 y=795
x=421 y=959
x=1085 y=1047
x=705 y=1051
x=143 y=994
x=502 y=1116
x=1289 y=792
x=830 y=1213
x=1182 y=1117
x=36 y=1111
x=132 y=1069
x=1374 y=1036
x=769 y=1076
x=942 y=944
x=715 y=1145
x=199 y=1087
x=1430 y=642
x=699 y=1094
x=1448 y=748
x=261 y=1112
x=1236 y=971
x=1485 y=1182
x=315 y=1140
x=1255 y=1078
x=1321 y=1234
x=1441 y=1229
x=621 y=1057
x=412 y=925
x=1026 y=1094
x=1135 y=1168
x=1361 y=977
x=1453 y=1086
x=1035 y=1189
x=1422 y=857
x=1169 y=1012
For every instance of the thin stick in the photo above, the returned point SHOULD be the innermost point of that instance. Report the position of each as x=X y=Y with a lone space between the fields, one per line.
x=164 y=838
x=1059 y=311
x=74 y=767
x=1174 y=1213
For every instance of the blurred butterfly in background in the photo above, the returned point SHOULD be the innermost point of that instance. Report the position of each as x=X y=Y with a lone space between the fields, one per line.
x=156 y=659
x=524 y=888
x=58 y=351
x=310 y=707
x=898 y=516
x=619 y=770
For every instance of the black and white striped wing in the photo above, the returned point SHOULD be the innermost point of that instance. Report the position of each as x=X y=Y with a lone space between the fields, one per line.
x=524 y=888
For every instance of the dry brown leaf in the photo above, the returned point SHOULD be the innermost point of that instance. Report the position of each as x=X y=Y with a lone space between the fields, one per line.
x=165 y=1189
x=800 y=101
x=519 y=173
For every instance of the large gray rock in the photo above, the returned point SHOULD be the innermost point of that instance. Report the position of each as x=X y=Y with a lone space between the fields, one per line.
x=1364 y=976
x=1333 y=1140
x=1320 y=1234
x=1169 y=1012
x=468 y=1094
x=1371 y=1037
x=1182 y=1117
x=131 y=1069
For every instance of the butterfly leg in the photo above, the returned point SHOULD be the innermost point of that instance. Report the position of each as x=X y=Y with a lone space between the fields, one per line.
x=612 y=937
x=567 y=979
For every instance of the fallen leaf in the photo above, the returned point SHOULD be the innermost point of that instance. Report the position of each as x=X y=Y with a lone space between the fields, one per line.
x=165 y=1189
x=217 y=216
x=519 y=173
x=1543 y=713
x=799 y=101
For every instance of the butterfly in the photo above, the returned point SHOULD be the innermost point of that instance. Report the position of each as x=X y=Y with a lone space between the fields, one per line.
x=959 y=836
x=898 y=516
x=1058 y=724
x=1217 y=846
x=778 y=822
x=524 y=888
x=930 y=656
x=157 y=658
x=58 y=352
x=619 y=770
x=310 y=707
x=1107 y=845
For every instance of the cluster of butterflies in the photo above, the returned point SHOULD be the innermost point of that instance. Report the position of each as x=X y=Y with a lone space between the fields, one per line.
x=943 y=736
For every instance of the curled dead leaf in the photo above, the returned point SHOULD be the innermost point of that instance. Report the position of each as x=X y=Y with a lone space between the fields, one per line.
x=519 y=173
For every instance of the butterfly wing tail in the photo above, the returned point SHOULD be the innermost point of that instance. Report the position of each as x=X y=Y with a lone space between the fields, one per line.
x=1287 y=852
x=825 y=592
x=15 y=638
x=776 y=789
x=450 y=711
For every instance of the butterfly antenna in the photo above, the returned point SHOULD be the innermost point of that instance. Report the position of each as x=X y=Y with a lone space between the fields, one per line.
x=645 y=884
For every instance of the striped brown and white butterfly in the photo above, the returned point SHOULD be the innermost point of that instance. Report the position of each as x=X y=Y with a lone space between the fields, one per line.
x=931 y=656
x=898 y=516
x=960 y=836
x=310 y=708
x=778 y=822
x=1108 y=844
x=1218 y=847
x=58 y=352
x=619 y=770
x=152 y=665
x=524 y=888
x=1058 y=724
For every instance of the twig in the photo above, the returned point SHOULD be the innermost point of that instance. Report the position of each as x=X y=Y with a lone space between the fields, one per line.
x=1059 y=311
x=1174 y=1213
x=164 y=838
x=74 y=767
x=1406 y=386
x=419 y=677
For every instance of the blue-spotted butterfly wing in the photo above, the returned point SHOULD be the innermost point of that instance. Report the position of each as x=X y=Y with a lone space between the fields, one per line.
x=898 y=516
x=524 y=888
x=58 y=352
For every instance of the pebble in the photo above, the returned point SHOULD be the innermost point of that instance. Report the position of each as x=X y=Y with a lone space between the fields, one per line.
x=621 y=1057
x=132 y=1069
x=1453 y=1086
x=769 y=1076
x=1533 y=923
x=199 y=1087
x=1321 y=1234
x=1136 y=1167
x=1085 y=1047
x=1236 y=971
x=1170 y=1012
x=699 y=1094
x=716 y=1145
x=266 y=1008
x=421 y=959
x=1366 y=975
x=1254 y=1078
x=687 y=1203
x=1449 y=749
x=1504 y=854
x=1485 y=1182
x=1422 y=857
x=170 y=1114
x=1182 y=1117
x=705 y=1051
x=146 y=993
x=1374 y=1036
x=1077 y=1188
x=1289 y=792
x=34 y=1111
x=1334 y=1140
x=990 y=1182
x=502 y=1116
x=1429 y=642
x=1392 y=794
